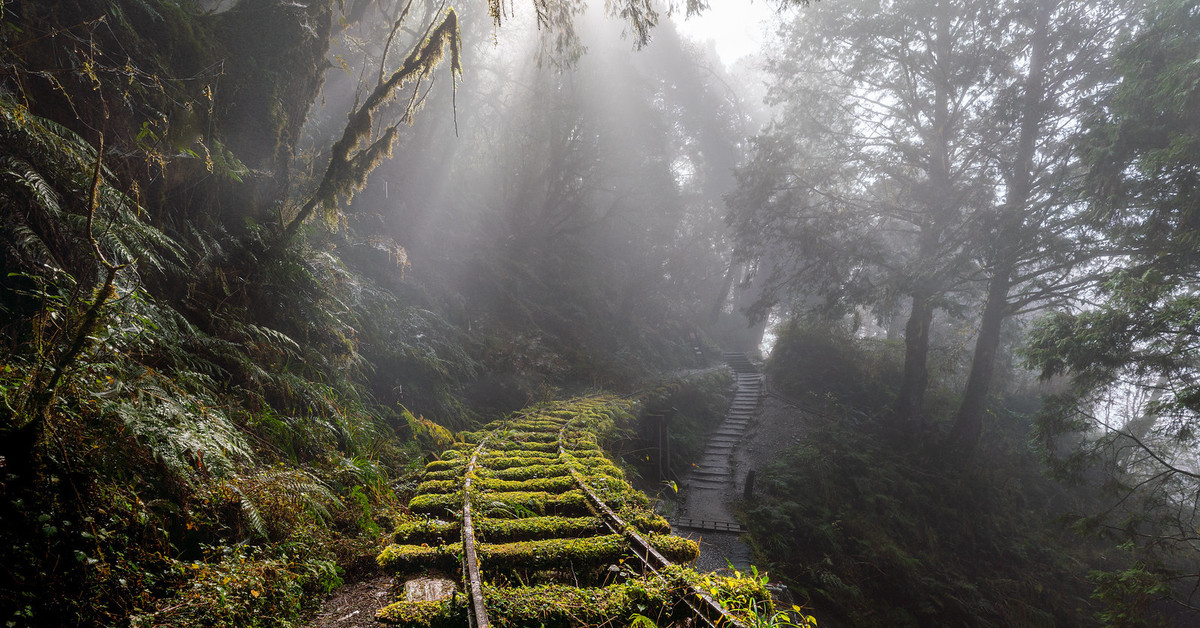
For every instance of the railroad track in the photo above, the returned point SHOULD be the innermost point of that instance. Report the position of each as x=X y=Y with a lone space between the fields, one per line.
x=530 y=524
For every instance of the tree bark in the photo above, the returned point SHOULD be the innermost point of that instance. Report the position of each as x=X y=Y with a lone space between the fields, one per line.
x=968 y=420
x=916 y=358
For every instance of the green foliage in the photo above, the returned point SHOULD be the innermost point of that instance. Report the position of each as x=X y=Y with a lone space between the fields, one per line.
x=697 y=405
x=823 y=358
x=747 y=597
x=1127 y=597
x=240 y=586
x=873 y=537
x=218 y=428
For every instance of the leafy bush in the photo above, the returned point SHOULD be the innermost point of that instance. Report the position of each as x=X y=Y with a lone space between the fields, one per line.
x=875 y=536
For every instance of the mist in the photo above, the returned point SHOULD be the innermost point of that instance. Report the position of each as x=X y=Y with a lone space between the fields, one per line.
x=853 y=313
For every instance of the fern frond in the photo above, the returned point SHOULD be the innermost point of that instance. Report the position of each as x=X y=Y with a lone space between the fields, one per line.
x=40 y=193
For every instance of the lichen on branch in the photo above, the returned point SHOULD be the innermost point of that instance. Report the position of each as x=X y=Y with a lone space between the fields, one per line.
x=361 y=149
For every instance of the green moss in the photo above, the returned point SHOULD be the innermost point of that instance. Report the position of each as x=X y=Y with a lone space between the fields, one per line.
x=675 y=548
x=408 y=559
x=440 y=486
x=508 y=461
x=581 y=554
x=426 y=531
x=555 y=484
x=494 y=530
x=516 y=503
x=541 y=436
x=526 y=472
x=512 y=447
x=445 y=474
x=615 y=492
x=441 y=465
x=562 y=606
x=423 y=614
x=473 y=438
x=644 y=519
x=436 y=503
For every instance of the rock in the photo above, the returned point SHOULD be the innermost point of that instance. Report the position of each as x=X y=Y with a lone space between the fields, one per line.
x=428 y=589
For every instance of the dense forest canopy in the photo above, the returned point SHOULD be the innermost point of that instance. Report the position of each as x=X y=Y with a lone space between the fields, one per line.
x=261 y=258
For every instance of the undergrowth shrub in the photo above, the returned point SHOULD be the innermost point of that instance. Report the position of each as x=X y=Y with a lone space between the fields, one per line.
x=872 y=534
x=695 y=406
x=823 y=359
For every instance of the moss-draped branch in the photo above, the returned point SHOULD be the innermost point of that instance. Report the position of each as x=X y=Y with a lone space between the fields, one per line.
x=356 y=154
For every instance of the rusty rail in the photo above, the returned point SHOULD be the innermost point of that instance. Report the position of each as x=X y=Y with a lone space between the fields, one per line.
x=470 y=559
x=702 y=605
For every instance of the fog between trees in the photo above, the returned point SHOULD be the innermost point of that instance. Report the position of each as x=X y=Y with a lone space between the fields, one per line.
x=253 y=247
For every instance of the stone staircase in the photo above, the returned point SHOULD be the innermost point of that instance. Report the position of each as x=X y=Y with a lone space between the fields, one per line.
x=705 y=516
x=714 y=471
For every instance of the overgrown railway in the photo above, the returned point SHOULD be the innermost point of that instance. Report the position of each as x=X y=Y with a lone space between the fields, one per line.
x=534 y=526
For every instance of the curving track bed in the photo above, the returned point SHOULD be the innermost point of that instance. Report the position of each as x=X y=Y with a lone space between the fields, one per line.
x=534 y=526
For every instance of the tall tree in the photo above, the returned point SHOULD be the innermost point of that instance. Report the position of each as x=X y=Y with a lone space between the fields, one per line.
x=1131 y=356
x=924 y=154
x=863 y=188
x=1034 y=246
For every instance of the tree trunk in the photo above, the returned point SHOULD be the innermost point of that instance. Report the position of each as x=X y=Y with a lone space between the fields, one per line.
x=968 y=421
x=723 y=296
x=915 y=379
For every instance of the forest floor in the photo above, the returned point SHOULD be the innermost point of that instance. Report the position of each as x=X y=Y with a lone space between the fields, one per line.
x=355 y=604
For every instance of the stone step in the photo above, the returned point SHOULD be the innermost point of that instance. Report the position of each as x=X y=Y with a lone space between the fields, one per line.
x=711 y=476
